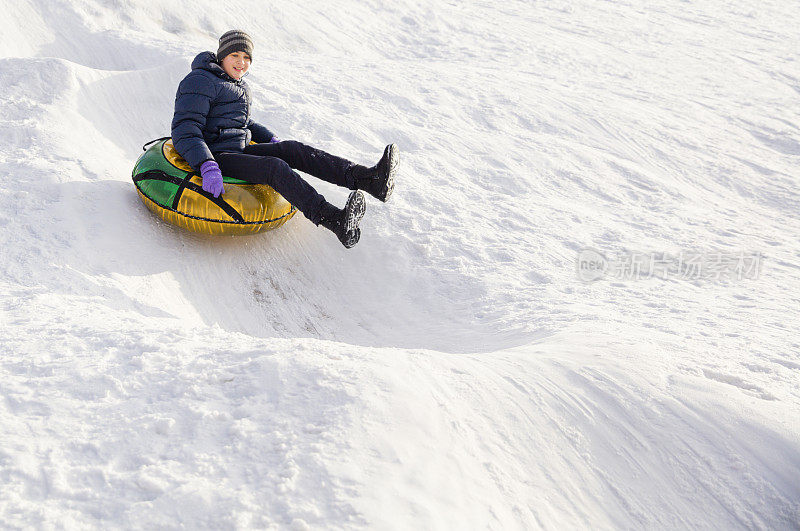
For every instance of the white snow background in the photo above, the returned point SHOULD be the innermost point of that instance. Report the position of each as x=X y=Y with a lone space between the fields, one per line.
x=451 y=371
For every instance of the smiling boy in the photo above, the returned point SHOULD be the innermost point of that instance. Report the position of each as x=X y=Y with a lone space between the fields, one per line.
x=212 y=130
x=236 y=64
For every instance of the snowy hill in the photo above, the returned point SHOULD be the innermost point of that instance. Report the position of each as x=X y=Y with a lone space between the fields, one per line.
x=453 y=370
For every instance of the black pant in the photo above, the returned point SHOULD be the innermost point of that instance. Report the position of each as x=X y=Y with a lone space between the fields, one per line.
x=272 y=164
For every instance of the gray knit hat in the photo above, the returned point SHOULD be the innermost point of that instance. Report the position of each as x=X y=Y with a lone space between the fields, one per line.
x=234 y=41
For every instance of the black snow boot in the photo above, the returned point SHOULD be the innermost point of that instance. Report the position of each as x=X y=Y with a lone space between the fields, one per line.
x=344 y=223
x=378 y=180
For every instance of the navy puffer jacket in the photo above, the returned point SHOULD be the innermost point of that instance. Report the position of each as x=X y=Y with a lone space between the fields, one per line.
x=212 y=113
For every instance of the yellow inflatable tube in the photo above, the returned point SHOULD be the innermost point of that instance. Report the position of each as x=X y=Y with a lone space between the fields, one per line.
x=173 y=191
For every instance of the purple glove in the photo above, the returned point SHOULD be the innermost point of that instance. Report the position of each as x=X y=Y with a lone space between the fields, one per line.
x=274 y=140
x=212 y=178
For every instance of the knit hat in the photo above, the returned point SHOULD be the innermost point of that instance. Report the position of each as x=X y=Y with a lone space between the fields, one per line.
x=234 y=41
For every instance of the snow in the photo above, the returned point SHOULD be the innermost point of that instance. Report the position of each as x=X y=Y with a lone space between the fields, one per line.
x=452 y=370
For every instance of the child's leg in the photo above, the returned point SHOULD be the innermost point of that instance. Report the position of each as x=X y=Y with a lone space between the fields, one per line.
x=377 y=180
x=308 y=159
x=277 y=174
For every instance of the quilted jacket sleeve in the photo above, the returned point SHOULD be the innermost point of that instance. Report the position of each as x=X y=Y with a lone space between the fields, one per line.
x=192 y=103
x=260 y=133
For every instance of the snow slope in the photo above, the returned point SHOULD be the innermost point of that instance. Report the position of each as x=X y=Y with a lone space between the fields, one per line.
x=452 y=370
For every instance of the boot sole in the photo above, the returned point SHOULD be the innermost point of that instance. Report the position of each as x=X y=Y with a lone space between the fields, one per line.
x=354 y=209
x=352 y=238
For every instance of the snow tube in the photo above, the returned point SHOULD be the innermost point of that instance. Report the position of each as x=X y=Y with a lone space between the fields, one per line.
x=170 y=188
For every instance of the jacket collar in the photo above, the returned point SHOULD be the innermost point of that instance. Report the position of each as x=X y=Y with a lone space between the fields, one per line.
x=208 y=61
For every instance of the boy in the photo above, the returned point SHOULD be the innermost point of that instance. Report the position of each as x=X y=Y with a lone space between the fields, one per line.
x=212 y=129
